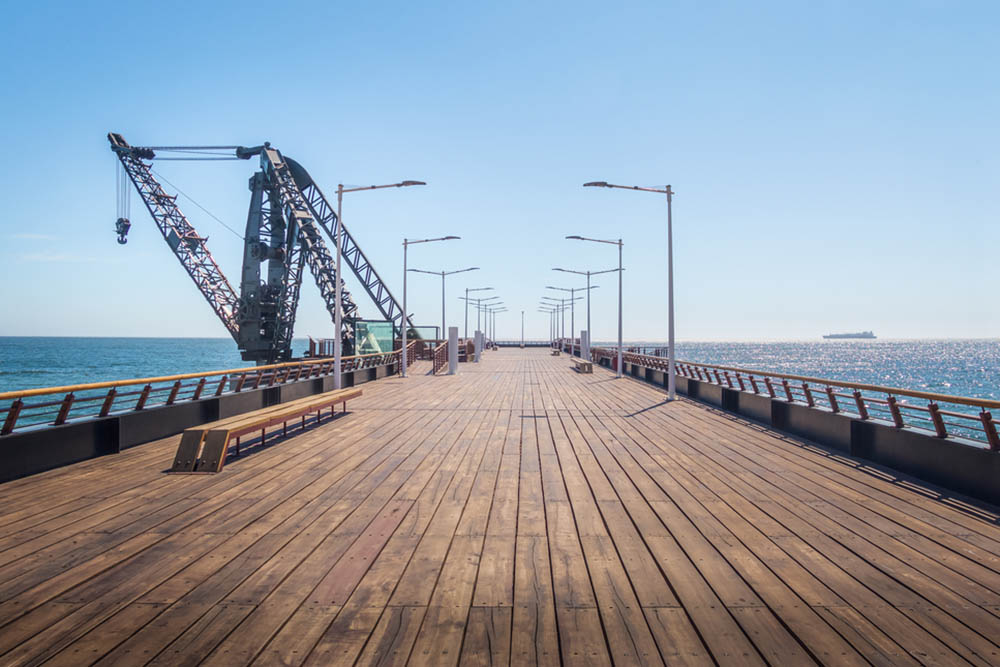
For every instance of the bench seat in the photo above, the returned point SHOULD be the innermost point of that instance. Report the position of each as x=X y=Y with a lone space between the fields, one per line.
x=203 y=448
x=583 y=366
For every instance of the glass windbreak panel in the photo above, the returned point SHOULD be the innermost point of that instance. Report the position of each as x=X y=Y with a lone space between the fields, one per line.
x=373 y=336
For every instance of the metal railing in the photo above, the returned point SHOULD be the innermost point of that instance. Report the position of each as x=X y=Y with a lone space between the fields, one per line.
x=960 y=416
x=440 y=357
x=55 y=406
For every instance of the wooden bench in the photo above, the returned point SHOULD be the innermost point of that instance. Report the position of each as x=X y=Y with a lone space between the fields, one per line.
x=582 y=366
x=555 y=353
x=203 y=448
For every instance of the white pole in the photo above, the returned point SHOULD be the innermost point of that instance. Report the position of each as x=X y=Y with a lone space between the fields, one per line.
x=522 y=328
x=403 y=350
x=466 y=314
x=670 y=297
x=452 y=350
x=443 y=332
x=619 y=307
x=586 y=355
x=572 y=322
x=338 y=299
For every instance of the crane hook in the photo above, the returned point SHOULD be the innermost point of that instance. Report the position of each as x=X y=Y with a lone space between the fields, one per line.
x=122 y=226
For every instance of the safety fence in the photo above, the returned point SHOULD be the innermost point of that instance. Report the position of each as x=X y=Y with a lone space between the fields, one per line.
x=55 y=406
x=440 y=357
x=941 y=414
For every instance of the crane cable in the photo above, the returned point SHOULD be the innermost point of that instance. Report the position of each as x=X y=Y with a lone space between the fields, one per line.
x=189 y=198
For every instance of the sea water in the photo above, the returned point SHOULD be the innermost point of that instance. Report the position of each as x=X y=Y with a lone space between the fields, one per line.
x=947 y=366
x=957 y=367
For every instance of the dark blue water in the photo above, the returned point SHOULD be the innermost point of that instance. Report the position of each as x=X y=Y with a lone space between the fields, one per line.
x=959 y=367
x=29 y=363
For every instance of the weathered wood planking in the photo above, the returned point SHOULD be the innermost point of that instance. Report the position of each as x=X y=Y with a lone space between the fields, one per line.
x=517 y=513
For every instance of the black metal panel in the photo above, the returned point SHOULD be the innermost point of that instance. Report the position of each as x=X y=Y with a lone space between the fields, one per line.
x=28 y=452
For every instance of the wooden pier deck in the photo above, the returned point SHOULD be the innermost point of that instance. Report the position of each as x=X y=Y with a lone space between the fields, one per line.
x=517 y=513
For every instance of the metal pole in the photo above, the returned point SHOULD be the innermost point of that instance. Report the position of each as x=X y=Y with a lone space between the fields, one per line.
x=466 y=313
x=590 y=332
x=403 y=351
x=442 y=307
x=572 y=322
x=338 y=299
x=522 y=328
x=670 y=296
x=619 y=307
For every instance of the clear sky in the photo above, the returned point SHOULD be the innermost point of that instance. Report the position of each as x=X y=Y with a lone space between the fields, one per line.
x=835 y=163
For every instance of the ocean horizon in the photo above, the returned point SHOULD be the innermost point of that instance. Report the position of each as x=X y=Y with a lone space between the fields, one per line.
x=956 y=366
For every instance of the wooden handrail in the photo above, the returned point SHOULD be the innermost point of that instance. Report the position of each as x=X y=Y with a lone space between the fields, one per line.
x=25 y=393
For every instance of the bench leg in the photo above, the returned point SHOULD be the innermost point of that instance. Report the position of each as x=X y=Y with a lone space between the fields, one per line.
x=284 y=429
x=263 y=436
x=237 y=446
x=345 y=407
x=303 y=422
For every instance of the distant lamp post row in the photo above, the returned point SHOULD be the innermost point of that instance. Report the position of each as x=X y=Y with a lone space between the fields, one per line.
x=443 y=274
x=406 y=244
x=619 y=269
x=572 y=311
x=590 y=332
x=668 y=191
x=338 y=291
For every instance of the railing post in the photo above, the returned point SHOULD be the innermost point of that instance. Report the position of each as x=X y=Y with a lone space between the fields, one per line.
x=860 y=401
x=108 y=402
x=770 y=387
x=788 y=390
x=991 y=430
x=12 y=415
x=222 y=385
x=173 y=392
x=809 y=395
x=239 y=382
x=939 y=427
x=897 y=416
x=143 y=397
x=67 y=403
x=739 y=378
x=753 y=383
x=832 y=397
x=718 y=378
x=197 y=390
x=729 y=380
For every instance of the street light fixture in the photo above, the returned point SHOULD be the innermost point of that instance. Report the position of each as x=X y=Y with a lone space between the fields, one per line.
x=669 y=192
x=619 y=244
x=406 y=244
x=444 y=333
x=338 y=291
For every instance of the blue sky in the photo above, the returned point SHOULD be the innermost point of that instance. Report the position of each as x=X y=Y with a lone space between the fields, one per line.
x=835 y=163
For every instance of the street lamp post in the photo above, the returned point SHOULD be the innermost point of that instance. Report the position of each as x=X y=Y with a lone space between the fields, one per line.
x=572 y=310
x=443 y=274
x=467 y=290
x=669 y=192
x=522 y=329
x=338 y=289
x=619 y=244
x=590 y=332
x=560 y=304
x=406 y=244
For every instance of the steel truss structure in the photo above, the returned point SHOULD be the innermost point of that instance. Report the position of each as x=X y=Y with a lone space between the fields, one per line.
x=287 y=217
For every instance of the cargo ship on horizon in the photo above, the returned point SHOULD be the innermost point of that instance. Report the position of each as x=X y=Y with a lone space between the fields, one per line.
x=862 y=334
